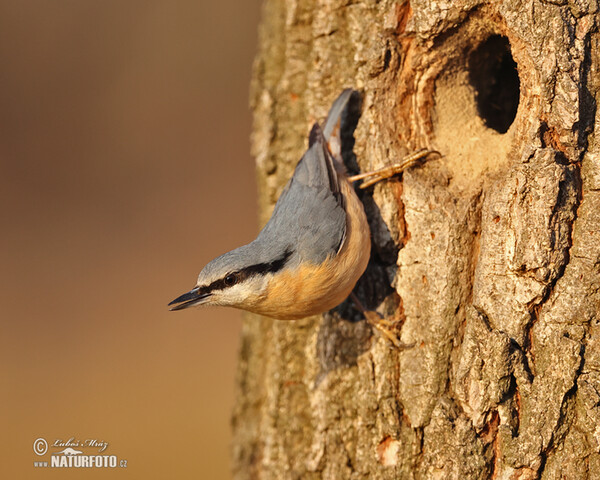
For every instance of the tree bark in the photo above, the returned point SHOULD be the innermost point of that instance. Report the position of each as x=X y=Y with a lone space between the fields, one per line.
x=487 y=259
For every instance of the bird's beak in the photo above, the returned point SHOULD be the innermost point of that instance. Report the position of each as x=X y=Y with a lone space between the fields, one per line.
x=189 y=299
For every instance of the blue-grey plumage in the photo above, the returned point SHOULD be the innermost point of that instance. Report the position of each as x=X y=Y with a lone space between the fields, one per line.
x=309 y=218
x=308 y=257
x=337 y=112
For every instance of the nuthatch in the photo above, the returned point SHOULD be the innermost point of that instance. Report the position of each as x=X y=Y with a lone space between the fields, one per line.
x=309 y=256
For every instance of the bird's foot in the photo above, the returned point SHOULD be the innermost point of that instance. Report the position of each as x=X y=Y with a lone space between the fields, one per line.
x=387 y=329
x=384 y=326
x=371 y=178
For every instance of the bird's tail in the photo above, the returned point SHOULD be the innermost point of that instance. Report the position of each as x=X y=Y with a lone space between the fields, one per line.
x=336 y=121
x=337 y=113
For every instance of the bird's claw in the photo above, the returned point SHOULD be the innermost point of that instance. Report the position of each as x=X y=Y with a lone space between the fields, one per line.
x=386 y=328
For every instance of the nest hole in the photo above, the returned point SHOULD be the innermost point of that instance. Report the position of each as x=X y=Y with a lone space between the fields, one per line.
x=494 y=77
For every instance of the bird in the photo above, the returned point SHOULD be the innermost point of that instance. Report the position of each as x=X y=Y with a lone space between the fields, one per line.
x=316 y=245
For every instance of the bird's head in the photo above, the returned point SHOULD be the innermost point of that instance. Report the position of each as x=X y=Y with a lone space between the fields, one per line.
x=237 y=279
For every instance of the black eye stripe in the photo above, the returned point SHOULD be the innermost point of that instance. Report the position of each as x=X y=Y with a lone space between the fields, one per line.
x=244 y=273
x=270 y=267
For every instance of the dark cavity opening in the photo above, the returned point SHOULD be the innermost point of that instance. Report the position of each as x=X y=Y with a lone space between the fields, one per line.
x=494 y=76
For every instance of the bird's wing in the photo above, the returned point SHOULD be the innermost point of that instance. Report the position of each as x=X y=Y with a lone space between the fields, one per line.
x=310 y=215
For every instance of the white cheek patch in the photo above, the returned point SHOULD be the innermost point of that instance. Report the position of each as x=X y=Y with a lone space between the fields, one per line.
x=241 y=293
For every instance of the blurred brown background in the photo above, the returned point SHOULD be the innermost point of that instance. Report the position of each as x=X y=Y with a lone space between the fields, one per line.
x=125 y=167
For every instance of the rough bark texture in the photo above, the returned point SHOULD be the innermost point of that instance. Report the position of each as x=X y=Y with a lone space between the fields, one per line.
x=488 y=259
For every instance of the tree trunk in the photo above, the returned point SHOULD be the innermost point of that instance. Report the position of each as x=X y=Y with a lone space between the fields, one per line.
x=487 y=259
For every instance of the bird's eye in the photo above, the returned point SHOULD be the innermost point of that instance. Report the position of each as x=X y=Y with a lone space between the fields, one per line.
x=230 y=279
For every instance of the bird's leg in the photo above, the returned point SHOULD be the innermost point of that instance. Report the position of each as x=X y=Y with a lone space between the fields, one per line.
x=370 y=178
x=384 y=326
